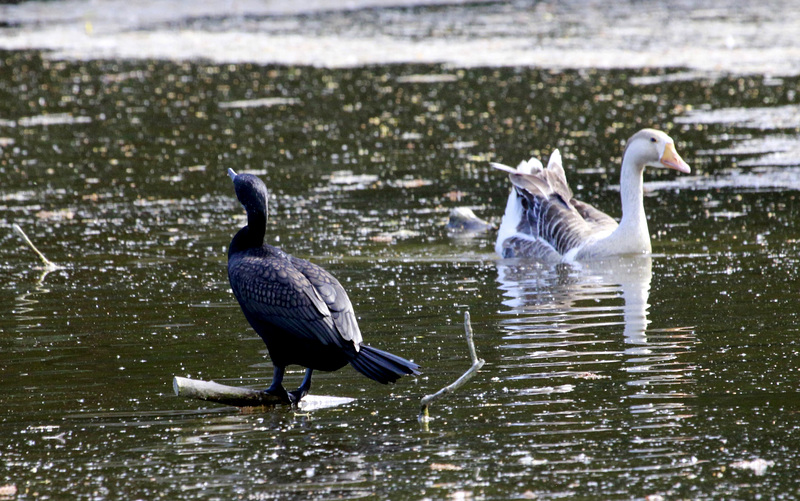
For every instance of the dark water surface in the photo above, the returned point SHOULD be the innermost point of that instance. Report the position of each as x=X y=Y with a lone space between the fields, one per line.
x=673 y=376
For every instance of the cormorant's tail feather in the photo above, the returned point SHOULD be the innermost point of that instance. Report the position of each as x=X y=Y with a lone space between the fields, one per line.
x=382 y=366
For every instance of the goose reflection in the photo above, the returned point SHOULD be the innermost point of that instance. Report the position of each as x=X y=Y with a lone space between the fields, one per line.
x=579 y=291
x=562 y=326
x=585 y=376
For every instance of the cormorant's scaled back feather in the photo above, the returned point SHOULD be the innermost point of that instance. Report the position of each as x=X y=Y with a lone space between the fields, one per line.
x=273 y=290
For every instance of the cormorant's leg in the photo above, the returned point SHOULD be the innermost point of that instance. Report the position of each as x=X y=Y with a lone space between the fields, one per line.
x=276 y=388
x=302 y=390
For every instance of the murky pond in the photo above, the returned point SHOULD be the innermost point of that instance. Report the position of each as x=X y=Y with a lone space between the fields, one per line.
x=672 y=376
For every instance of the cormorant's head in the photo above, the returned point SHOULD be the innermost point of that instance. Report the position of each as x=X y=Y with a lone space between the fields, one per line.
x=251 y=192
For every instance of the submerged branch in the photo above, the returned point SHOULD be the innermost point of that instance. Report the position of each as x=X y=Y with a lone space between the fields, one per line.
x=477 y=363
x=49 y=265
x=247 y=397
x=222 y=394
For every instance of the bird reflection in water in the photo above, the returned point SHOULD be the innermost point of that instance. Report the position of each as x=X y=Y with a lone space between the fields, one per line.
x=562 y=326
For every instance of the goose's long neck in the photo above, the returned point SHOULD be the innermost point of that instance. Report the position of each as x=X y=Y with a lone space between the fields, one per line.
x=631 y=186
x=634 y=222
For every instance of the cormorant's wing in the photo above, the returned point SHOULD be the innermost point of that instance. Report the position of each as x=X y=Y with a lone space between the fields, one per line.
x=335 y=298
x=273 y=293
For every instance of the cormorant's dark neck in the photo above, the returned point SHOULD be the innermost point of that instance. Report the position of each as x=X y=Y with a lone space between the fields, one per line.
x=257 y=224
x=251 y=236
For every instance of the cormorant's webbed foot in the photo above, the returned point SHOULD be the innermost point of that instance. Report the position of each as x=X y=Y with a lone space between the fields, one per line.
x=281 y=393
x=298 y=394
x=303 y=389
x=277 y=389
x=289 y=397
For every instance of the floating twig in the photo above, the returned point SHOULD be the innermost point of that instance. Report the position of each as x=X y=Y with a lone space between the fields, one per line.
x=477 y=363
x=49 y=265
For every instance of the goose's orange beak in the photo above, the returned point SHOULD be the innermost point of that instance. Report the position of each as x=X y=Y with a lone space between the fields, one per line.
x=672 y=160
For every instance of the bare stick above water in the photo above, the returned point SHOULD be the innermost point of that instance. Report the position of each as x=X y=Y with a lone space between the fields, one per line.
x=47 y=263
x=477 y=363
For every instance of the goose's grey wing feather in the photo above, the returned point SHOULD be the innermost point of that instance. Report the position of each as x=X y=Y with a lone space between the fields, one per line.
x=596 y=218
x=535 y=248
x=550 y=214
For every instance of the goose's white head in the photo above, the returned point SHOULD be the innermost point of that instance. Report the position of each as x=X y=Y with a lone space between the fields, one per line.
x=653 y=148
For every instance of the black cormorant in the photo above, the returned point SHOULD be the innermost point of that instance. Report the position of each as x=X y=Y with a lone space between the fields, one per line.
x=300 y=310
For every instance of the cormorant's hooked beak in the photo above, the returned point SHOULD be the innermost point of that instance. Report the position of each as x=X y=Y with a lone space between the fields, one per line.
x=232 y=174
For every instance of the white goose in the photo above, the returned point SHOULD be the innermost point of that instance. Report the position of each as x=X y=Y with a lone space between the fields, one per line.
x=543 y=220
